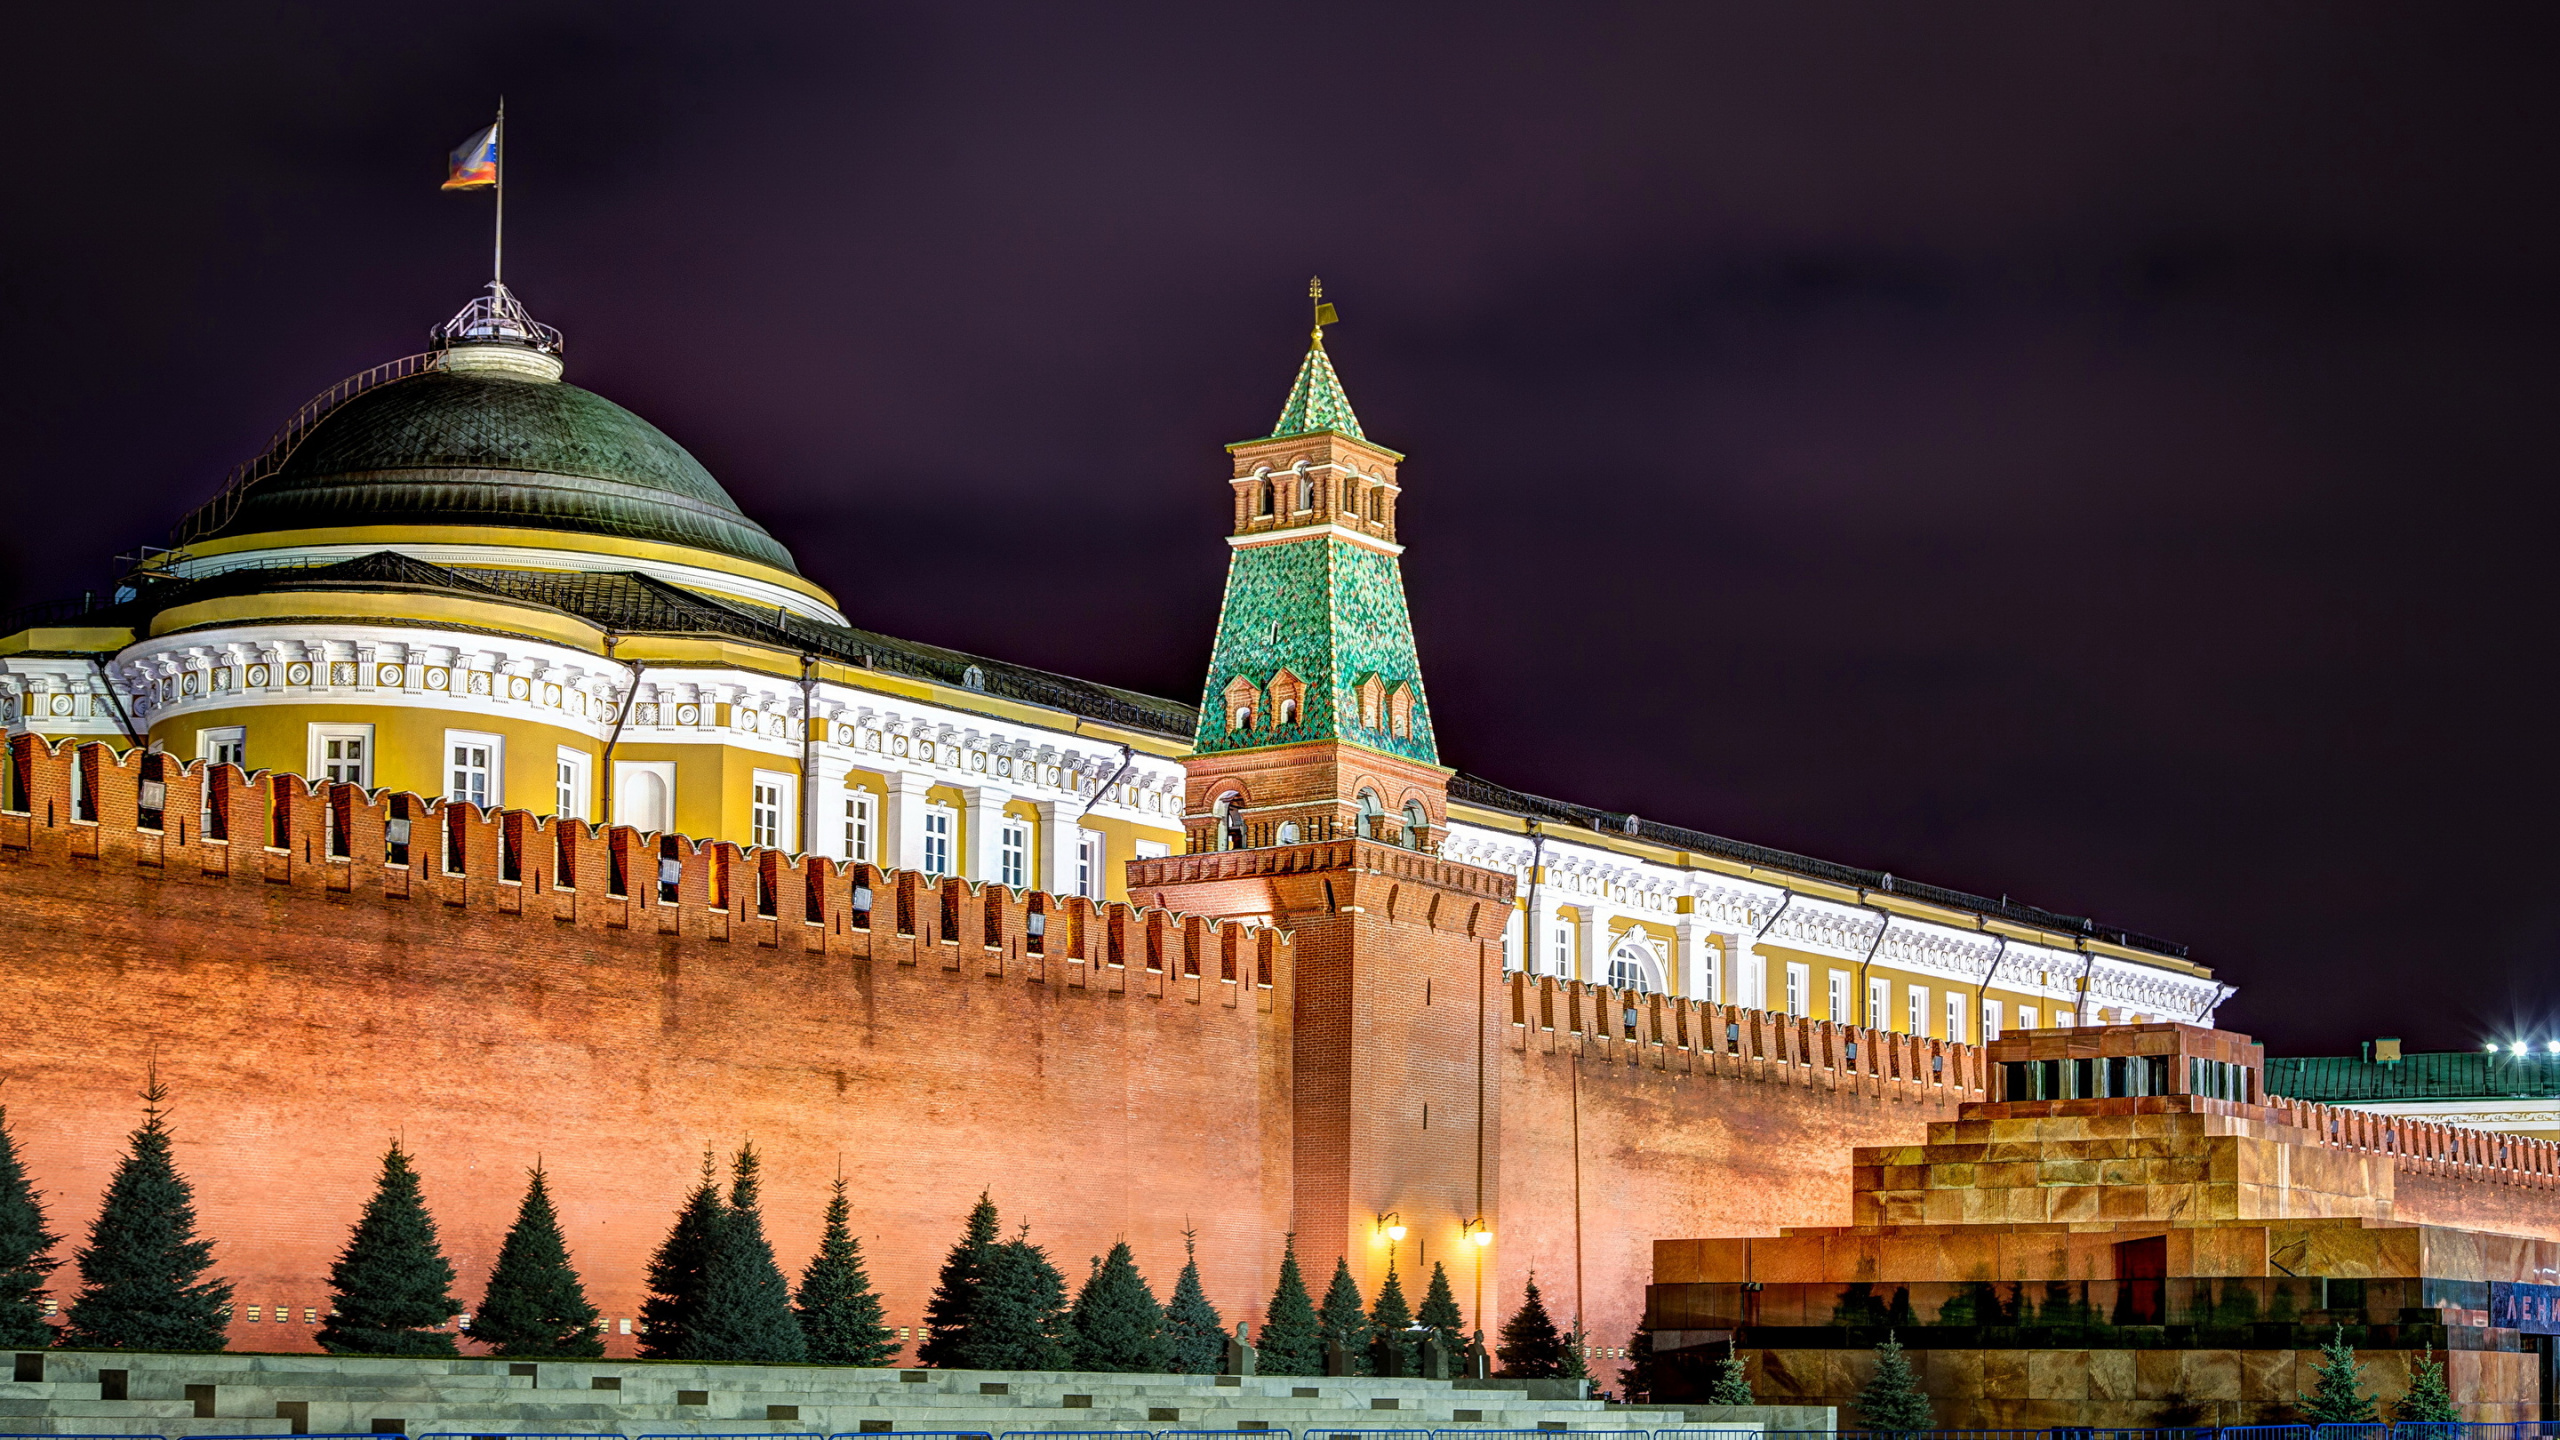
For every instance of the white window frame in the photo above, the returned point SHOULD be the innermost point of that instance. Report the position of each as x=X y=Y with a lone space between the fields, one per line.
x=1153 y=849
x=626 y=775
x=783 y=789
x=1919 y=1009
x=1092 y=848
x=1879 y=1005
x=2064 y=1017
x=2026 y=1017
x=1564 y=929
x=1839 y=997
x=573 y=783
x=1799 y=987
x=1013 y=853
x=941 y=839
x=1955 y=1018
x=1711 y=976
x=223 y=745
x=1990 y=1021
x=495 y=794
x=861 y=827
x=318 y=738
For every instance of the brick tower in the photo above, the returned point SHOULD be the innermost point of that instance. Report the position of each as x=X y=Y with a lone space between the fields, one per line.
x=1316 y=800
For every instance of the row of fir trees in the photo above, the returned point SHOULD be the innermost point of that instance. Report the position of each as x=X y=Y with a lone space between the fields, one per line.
x=145 y=1281
x=717 y=1292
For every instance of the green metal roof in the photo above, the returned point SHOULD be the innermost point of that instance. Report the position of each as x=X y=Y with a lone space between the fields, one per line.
x=442 y=448
x=1316 y=401
x=2447 y=1075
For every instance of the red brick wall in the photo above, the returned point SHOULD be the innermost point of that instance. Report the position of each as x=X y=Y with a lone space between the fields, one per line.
x=305 y=1010
x=1674 y=1137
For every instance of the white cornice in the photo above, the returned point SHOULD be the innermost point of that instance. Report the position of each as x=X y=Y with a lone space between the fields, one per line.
x=1310 y=532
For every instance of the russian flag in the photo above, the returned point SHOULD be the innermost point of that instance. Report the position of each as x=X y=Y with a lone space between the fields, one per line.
x=475 y=162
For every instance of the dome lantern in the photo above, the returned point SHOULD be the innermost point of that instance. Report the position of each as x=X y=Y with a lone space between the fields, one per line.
x=495 y=335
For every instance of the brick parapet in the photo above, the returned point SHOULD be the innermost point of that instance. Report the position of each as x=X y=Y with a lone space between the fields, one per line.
x=220 y=823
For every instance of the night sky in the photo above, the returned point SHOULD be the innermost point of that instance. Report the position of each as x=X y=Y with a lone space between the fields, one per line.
x=2096 y=454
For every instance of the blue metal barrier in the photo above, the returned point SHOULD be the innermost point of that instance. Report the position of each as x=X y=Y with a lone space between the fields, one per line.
x=858 y=1434
x=1354 y=1432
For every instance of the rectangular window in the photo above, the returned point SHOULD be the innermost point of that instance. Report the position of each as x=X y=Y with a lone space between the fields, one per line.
x=1955 y=1018
x=764 y=813
x=1840 y=998
x=471 y=768
x=1879 y=1006
x=224 y=745
x=2026 y=1017
x=1919 y=1008
x=343 y=753
x=1564 y=948
x=860 y=813
x=1013 y=853
x=941 y=823
x=1990 y=1021
x=2064 y=1018
x=1153 y=849
x=1799 y=982
x=1089 y=854
x=1711 y=977
x=572 y=789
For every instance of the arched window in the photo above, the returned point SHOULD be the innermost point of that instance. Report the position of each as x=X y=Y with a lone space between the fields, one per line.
x=1288 y=712
x=1417 y=824
x=1378 y=505
x=1262 y=498
x=1244 y=718
x=1288 y=833
x=1370 y=814
x=1631 y=968
x=1351 y=498
x=1306 y=492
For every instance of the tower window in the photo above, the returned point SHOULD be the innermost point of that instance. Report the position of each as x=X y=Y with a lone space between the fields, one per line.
x=1306 y=492
x=1262 y=498
x=1288 y=712
x=1417 y=824
x=1371 y=815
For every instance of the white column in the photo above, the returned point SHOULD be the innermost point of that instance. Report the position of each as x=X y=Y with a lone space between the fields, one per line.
x=1058 y=827
x=1593 y=954
x=1689 y=955
x=1750 y=972
x=986 y=813
x=822 y=828
x=902 y=840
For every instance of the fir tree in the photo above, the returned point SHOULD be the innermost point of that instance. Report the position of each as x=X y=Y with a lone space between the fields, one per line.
x=1292 y=1343
x=955 y=1293
x=142 y=1274
x=535 y=1305
x=1528 y=1346
x=2427 y=1401
x=392 y=1285
x=1342 y=1320
x=1440 y=1312
x=1732 y=1384
x=1020 y=1315
x=1569 y=1365
x=1116 y=1324
x=1635 y=1382
x=1195 y=1337
x=839 y=1315
x=2338 y=1397
x=1390 y=1324
x=746 y=1304
x=668 y=1316
x=26 y=1252
x=1892 y=1400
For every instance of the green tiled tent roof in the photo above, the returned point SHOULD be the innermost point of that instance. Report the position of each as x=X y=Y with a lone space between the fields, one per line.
x=476 y=449
x=1316 y=401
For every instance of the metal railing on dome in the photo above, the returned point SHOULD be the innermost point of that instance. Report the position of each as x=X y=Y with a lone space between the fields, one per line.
x=215 y=513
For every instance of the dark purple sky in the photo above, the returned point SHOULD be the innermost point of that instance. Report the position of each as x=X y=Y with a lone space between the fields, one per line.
x=2101 y=454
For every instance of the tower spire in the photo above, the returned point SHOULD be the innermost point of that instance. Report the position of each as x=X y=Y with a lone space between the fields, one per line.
x=1316 y=401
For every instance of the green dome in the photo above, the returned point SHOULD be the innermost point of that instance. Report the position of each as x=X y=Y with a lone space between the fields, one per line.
x=445 y=448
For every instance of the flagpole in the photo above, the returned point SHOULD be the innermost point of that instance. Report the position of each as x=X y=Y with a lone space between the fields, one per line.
x=498 y=145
